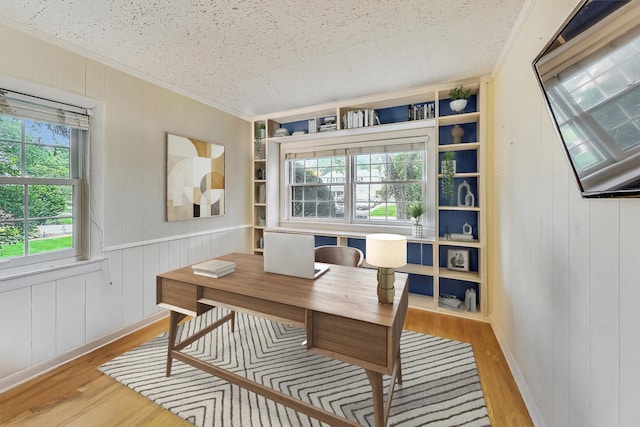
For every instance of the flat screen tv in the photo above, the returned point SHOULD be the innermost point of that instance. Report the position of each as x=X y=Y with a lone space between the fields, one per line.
x=589 y=73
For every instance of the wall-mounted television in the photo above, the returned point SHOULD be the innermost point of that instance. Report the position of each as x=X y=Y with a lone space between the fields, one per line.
x=589 y=73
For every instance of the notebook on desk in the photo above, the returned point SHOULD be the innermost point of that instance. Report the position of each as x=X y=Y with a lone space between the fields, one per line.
x=292 y=255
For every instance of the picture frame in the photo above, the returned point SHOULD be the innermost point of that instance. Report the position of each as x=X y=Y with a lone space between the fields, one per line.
x=458 y=259
x=195 y=178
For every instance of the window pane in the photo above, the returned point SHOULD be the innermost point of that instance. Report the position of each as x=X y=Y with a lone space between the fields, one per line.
x=10 y=158
x=50 y=201
x=47 y=162
x=11 y=238
x=46 y=133
x=10 y=128
x=49 y=237
x=12 y=201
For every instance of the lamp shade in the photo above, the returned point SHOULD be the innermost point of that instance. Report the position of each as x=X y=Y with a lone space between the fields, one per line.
x=386 y=250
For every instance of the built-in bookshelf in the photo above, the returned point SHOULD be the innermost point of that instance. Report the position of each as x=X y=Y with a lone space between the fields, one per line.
x=451 y=263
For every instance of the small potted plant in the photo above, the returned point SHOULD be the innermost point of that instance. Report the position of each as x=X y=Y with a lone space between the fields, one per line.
x=416 y=210
x=459 y=97
x=448 y=169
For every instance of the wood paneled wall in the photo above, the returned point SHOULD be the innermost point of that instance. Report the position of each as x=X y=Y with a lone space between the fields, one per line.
x=48 y=318
x=564 y=274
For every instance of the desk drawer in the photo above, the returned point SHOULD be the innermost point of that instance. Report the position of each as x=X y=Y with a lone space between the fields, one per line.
x=179 y=294
x=256 y=306
x=353 y=341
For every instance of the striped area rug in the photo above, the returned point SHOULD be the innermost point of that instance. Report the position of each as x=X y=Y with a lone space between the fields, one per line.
x=440 y=380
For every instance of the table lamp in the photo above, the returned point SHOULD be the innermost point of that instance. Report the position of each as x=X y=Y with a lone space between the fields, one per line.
x=386 y=251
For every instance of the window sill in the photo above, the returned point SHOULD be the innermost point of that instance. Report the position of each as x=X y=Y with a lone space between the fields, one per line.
x=358 y=232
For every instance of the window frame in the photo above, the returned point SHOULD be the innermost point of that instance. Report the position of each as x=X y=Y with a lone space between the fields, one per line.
x=368 y=141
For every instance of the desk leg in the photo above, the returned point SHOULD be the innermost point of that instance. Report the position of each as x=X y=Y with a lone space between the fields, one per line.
x=375 y=378
x=173 y=326
x=399 y=362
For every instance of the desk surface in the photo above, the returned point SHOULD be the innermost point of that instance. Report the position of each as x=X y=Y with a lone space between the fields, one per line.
x=357 y=298
x=340 y=311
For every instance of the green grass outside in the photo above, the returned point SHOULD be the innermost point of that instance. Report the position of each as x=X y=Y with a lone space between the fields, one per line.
x=385 y=211
x=37 y=246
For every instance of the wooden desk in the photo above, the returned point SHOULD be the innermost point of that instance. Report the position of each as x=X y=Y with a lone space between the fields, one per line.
x=339 y=310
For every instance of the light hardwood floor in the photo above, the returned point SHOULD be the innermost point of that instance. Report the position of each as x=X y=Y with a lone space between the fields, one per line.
x=77 y=394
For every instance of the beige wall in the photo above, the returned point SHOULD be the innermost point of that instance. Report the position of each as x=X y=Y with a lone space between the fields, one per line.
x=47 y=318
x=564 y=272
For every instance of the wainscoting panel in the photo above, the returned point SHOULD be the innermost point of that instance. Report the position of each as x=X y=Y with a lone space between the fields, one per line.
x=43 y=321
x=70 y=313
x=53 y=321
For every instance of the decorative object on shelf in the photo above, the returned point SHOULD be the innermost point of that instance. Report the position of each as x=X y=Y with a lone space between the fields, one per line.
x=465 y=196
x=387 y=252
x=261 y=219
x=456 y=134
x=259 y=149
x=262 y=197
x=260 y=131
x=459 y=97
x=470 y=299
x=449 y=301
x=313 y=125
x=281 y=132
x=458 y=259
x=260 y=174
x=261 y=243
x=448 y=168
x=466 y=235
x=195 y=178
x=415 y=211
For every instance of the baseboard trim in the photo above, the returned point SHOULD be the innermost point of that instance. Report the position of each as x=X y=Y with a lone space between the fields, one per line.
x=45 y=366
x=529 y=401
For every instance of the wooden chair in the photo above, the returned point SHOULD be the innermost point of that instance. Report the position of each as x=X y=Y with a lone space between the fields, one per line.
x=340 y=255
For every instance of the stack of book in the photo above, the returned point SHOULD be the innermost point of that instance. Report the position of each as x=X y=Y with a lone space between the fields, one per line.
x=360 y=118
x=420 y=112
x=214 y=268
x=329 y=124
x=450 y=301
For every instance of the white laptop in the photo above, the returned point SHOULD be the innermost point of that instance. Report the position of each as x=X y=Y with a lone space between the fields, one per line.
x=291 y=255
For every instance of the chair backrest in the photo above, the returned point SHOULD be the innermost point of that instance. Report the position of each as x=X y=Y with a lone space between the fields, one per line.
x=341 y=255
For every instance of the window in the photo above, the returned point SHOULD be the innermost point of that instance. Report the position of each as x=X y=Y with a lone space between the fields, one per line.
x=41 y=186
x=366 y=184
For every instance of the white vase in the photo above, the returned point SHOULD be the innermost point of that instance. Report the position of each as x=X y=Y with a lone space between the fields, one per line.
x=458 y=105
x=416 y=230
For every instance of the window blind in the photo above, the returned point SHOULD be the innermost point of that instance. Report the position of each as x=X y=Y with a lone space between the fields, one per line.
x=382 y=146
x=41 y=109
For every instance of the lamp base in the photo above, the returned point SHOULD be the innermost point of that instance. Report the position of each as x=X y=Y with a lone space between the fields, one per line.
x=386 y=280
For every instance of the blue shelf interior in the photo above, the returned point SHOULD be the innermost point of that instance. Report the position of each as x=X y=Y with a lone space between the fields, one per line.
x=419 y=253
x=326 y=240
x=470 y=133
x=458 y=288
x=466 y=161
x=419 y=284
x=472 y=106
x=397 y=114
x=473 y=257
x=452 y=222
x=473 y=184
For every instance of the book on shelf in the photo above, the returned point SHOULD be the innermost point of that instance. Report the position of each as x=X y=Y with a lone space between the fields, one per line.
x=420 y=112
x=214 y=268
x=360 y=118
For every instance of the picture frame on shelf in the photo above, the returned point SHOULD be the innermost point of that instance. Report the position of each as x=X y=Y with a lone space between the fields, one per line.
x=458 y=259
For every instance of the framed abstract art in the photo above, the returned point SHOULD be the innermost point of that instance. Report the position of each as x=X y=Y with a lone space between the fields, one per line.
x=195 y=178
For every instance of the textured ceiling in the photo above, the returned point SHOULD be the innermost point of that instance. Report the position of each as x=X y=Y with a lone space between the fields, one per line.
x=260 y=56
